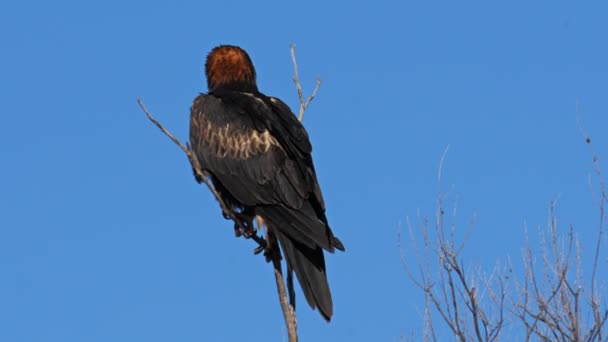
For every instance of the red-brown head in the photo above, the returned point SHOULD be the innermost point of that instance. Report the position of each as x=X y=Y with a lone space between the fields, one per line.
x=229 y=65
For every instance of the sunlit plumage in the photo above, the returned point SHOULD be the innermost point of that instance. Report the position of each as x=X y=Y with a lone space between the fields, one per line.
x=259 y=158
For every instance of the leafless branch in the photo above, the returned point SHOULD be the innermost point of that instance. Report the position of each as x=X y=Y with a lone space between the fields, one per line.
x=289 y=313
x=549 y=302
x=450 y=293
x=202 y=175
x=551 y=308
x=599 y=317
x=303 y=103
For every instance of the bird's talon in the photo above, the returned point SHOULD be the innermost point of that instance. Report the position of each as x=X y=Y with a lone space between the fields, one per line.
x=259 y=249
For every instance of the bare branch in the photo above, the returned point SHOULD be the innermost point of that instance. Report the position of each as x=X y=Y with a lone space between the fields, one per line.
x=289 y=314
x=163 y=129
x=204 y=177
x=597 y=315
x=303 y=103
x=456 y=299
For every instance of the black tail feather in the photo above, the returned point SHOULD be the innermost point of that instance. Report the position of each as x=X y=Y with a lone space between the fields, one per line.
x=303 y=237
x=309 y=266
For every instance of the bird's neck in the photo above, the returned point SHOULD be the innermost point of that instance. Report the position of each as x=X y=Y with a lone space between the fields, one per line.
x=235 y=86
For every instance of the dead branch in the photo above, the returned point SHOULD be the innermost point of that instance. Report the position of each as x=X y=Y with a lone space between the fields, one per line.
x=550 y=306
x=550 y=302
x=204 y=177
x=289 y=313
x=303 y=103
x=598 y=316
x=450 y=293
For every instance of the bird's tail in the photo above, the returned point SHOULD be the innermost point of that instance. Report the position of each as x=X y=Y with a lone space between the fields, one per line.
x=303 y=237
x=309 y=266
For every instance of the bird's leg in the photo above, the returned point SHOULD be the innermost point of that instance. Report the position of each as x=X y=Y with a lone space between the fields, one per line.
x=259 y=248
x=264 y=244
x=246 y=216
x=198 y=178
x=292 y=293
x=243 y=224
x=272 y=247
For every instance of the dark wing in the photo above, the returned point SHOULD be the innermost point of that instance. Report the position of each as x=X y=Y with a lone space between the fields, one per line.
x=299 y=145
x=260 y=153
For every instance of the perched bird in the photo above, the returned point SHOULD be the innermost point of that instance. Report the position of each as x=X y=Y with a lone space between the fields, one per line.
x=258 y=156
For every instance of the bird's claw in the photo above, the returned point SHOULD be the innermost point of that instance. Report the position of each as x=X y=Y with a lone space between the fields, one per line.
x=259 y=249
x=272 y=254
x=243 y=224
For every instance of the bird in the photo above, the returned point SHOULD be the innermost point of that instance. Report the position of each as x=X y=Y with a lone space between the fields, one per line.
x=258 y=157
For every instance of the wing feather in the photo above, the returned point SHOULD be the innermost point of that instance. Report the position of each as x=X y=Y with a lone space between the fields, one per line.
x=243 y=154
x=260 y=153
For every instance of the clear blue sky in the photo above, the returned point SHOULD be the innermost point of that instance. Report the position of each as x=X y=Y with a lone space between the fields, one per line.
x=105 y=236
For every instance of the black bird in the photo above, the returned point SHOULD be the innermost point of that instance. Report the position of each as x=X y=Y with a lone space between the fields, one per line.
x=258 y=156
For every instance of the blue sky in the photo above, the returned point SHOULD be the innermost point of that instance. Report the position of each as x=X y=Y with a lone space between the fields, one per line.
x=105 y=236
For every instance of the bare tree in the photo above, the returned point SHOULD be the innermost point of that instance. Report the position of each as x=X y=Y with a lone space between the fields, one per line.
x=241 y=228
x=551 y=302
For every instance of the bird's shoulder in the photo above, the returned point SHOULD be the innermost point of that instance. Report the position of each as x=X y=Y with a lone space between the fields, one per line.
x=235 y=107
x=291 y=125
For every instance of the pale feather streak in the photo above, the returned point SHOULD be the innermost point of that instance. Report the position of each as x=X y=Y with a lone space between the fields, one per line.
x=233 y=143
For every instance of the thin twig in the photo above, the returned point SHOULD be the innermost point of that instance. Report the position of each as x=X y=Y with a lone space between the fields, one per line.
x=601 y=204
x=202 y=175
x=164 y=130
x=303 y=103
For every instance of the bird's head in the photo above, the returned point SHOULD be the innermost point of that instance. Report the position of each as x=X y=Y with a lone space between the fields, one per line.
x=229 y=65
